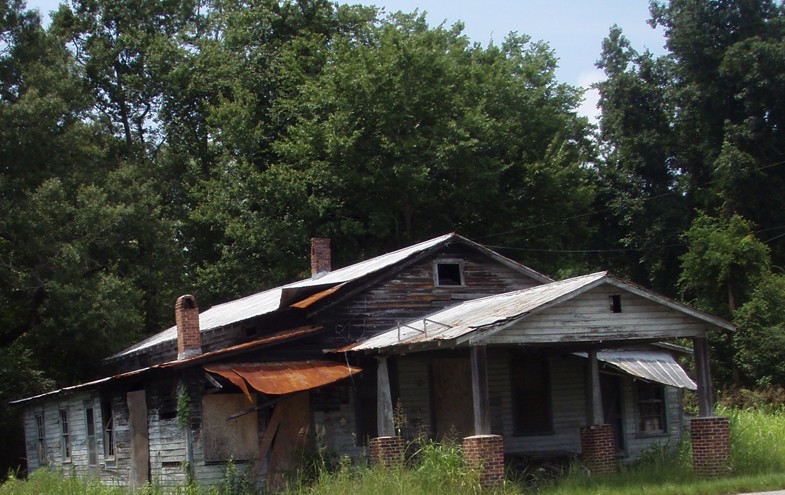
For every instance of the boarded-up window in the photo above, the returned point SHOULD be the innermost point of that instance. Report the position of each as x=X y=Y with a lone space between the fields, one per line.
x=531 y=389
x=651 y=408
x=224 y=438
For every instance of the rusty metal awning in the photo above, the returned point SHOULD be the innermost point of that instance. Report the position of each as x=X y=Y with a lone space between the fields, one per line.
x=279 y=378
x=652 y=366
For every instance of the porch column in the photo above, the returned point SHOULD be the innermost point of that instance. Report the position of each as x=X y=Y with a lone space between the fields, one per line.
x=385 y=426
x=710 y=435
x=703 y=376
x=386 y=449
x=596 y=416
x=481 y=403
x=483 y=451
x=598 y=448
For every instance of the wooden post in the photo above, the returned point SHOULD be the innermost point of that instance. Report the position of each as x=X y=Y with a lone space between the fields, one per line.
x=596 y=416
x=703 y=376
x=385 y=424
x=482 y=414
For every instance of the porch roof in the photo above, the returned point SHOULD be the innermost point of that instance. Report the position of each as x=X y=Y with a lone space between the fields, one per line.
x=478 y=319
x=653 y=366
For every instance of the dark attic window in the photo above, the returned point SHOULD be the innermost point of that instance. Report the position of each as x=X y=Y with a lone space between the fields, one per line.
x=448 y=272
x=614 y=302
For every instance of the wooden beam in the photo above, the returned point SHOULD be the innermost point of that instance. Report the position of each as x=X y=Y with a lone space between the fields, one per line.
x=703 y=376
x=596 y=416
x=481 y=403
x=385 y=424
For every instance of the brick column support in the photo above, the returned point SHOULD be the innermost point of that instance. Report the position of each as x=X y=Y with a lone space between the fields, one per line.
x=387 y=451
x=710 y=445
x=598 y=449
x=485 y=453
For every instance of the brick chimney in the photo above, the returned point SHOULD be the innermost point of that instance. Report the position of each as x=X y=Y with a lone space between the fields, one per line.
x=189 y=336
x=321 y=257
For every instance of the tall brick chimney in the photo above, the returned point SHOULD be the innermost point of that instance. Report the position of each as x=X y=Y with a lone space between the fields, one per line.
x=189 y=336
x=321 y=257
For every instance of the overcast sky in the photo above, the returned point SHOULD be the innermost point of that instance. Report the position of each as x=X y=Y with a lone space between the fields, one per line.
x=573 y=28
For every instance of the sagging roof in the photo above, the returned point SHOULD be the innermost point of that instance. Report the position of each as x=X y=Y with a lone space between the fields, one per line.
x=459 y=324
x=277 y=298
x=284 y=377
x=279 y=337
x=652 y=366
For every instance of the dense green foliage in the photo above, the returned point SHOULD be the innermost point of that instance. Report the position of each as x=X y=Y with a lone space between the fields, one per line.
x=149 y=149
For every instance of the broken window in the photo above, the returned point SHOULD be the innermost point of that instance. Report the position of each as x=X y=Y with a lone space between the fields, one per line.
x=651 y=408
x=41 y=432
x=65 y=438
x=531 y=391
x=448 y=272
x=614 y=303
x=92 y=453
x=107 y=419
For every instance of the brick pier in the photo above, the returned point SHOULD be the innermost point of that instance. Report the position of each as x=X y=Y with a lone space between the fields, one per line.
x=598 y=449
x=486 y=454
x=710 y=445
x=387 y=451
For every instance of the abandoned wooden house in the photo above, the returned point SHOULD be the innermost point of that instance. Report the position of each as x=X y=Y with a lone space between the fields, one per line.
x=467 y=343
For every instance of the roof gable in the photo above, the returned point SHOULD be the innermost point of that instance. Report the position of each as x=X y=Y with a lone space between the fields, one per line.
x=301 y=293
x=483 y=320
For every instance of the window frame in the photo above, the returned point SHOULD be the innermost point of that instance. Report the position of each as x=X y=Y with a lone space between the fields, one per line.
x=40 y=426
x=90 y=437
x=108 y=430
x=65 y=435
x=520 y=393
x=658 y=400
x=438 y=280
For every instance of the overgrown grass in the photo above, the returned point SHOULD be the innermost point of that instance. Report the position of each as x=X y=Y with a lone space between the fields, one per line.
x=757 y=464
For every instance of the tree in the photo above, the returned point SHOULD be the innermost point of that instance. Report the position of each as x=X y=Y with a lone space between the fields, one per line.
x=641 y=183
x=760 y=335
x=721 y=269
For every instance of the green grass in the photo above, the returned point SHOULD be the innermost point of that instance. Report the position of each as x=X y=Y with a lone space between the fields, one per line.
x=757 y=464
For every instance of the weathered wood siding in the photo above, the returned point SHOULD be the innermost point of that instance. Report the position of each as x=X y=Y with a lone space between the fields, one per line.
x=412 y=293
x=587 y=317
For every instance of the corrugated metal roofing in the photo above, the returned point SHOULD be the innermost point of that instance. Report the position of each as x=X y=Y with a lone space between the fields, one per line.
x=268 y=301
x=477 y=314
x=653 y=366
x=279 y=378
x=271 y=300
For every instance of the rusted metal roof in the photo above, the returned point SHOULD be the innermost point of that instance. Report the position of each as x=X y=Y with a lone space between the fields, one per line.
x=652 y=366
x=482 y=317
x=280 y=378
x=273 y=339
